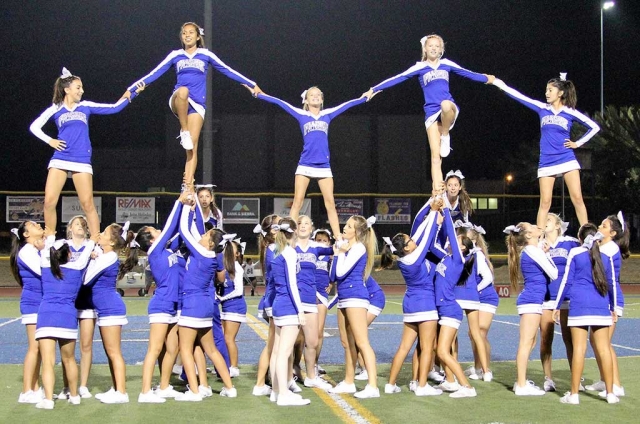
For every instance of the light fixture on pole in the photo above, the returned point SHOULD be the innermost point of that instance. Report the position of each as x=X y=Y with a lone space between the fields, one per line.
x=606 y=5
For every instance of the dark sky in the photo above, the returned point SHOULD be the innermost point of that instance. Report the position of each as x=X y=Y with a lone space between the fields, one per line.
x=343 y=46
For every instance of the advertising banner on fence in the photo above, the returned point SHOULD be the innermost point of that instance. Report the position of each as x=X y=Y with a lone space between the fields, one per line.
x=282 y=206
x=71 y=207
x=241 y=210
x=137 y=210
x=393 y=211
x=348 y=207
x=25 y=208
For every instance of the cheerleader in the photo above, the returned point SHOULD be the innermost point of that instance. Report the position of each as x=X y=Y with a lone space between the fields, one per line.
x=58 y=316
x=591 y=307
x=187 y=101
x=352 y=265
x=163 y=307
x=487 y=295
x=461 y=206
x=419 y=303
x=314 y=160
x=324 y=286
x=377 y=300
x=24 y=261
x=537 y=269
x=73 y=147
x=231 y=297
x=556 y=148
x=102 y=275
x=440 y=109
x=210 y=210
x=615 y=245
x=288 y=312
x=559 y=246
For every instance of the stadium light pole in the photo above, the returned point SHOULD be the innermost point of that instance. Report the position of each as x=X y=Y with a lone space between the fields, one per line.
x=605 y=6
x=505 y=184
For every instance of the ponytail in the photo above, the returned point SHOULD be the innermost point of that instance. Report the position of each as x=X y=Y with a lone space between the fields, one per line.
x=18 y=241
x=58 y=257
x=229 y=259
x=59 y=86
x=266 y=238
x=467 y=245
x=515 y=242
x=597 y=268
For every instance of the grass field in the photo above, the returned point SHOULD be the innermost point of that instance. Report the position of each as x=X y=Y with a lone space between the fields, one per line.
x=495 y=401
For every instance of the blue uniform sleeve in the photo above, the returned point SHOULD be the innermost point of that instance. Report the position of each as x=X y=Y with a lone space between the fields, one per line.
x=170 y=229
x=568 y=277
x=459 y=70
x=290 y=258
x=390 y=82
x=291 y=110
x=592 y=127
x=335 y=111
x=534 y=105
x=106 y=108
x=424 y=211
x=450 y=232
x=226 y=70
x=427 y=232
x=157 y=72
x=194 y=247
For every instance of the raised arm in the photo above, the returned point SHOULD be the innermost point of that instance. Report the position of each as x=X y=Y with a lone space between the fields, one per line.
x=417 y=221
x=337 y=110
x=427 y=231
x=156 y=72
x=291 y=110
x=170 y=228
x=192 y=244
x=390 y=82
x=226 y=70
x=346 y=263
x=534 y=105
x=450 y=232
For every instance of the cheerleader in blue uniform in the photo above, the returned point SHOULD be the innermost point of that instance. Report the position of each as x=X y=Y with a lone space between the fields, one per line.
x=557 y=116
x=24 y=261
x=73 y=147
x=528 y=261
x=615 y=245
x=461 y=206
x=231 y=297
x=187 y=101
x=377 y=300
x=195 y=321
x=102 y=275
x=351 y=267
x=266 y=238
x=440 y=109
x=323 y=287
x=314 y=160
x=58 y=316
x=591 y=307
x=419 y=303
x=288 y=313
x=559 y=246
x=210 y=210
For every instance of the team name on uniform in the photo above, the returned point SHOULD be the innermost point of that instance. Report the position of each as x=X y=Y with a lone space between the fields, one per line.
x=173 y=259
x=434 y=75
x=316 y=126
x=555 y=120
x=559 y=253
x=190 y=63
x=72 y=116
x=307 y=257
x=322 y=265
x=441 y=268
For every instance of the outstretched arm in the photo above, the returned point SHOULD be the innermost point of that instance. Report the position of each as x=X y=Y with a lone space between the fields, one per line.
x=157 y=72
x=335 y=111
x=110 y=109
x=226 y=70
x=474 y=76
x=170 y=229
x=534 y=105
x=390 y=82
x=291 y=110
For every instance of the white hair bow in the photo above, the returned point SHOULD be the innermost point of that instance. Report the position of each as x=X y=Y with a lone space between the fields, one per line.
x=423 y=40
x=474 y=250
x=511 y=229
x=588 y=241
x=478 y=229
x=462 y=224
x=321 y=230
x=226 y=239
x=65 y=73
x=621 y=219
x=563 y=76
x=59 y=243
x=209 y=186
x=563 y=226
x=387 y=241
x=201 y=30
x=243 y=244
x=282 y=227
x=258 y=230
x=14 y=231
x=134 y=244
x=370 y=221
x=125 y=228
x=455 y=173
x=304 y=96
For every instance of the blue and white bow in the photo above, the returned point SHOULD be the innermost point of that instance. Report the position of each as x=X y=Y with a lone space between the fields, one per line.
x=453 y=173
x=65 y=73
x=282 y=227
x=511 y=229
x=588 y=242
x=14 y=231
x=226 y=239
x=304 y=96
x=387 y=241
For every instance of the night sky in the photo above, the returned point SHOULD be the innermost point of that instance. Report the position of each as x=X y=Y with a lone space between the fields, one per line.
x=343 y=46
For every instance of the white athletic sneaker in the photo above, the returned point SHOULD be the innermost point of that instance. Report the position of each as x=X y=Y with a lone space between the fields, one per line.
x=317 y=382
x=464 y=392
x=150 y=397
x=471 y=373
x=189 y=396
x=289 y=399
x=99 y=396
x=320 y=370
x=343 y=387
x=612 y=398
x=617 y=390
x=598 y=386
x=45 y=404
x=28 y=397
x=449 y=386
x=234 y=372
x=115 y=397
x=64 y=394
x=435 y=376
x=84 y=392
x=261 y=390
x=413 y=384
x=487 y=376
x=368 y=392
x=549 y=385
x=294 y=387
x=185 y=140
x=391 y=389
x=273 y=397
x=570 y=399
x=74 y=400
x=167 y=393
x=205 y=392
x=427 y=391
x=362 y=376
x=231 y=393
x=529 y=389
x=445 y=145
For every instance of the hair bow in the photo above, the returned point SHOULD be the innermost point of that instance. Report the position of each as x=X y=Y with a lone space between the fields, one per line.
x=588 y=241
x=478 y=229
x=209 y=186
x=134 y=244
x=387 y=241
x=563 y=76
x=14 y=231
x=65 y=73
x=321 y=230
x=423 y=40
x=243 y=244
x=511 y=229
x=258 y=230
x=201 y=30
x=621 y=219
x=282 y=227
x=370 y=221
x=475 y=250
x=462 y=224
x=226 y=239
x=125 y=228
x=563 y=226
x=304 y=96
x=59 y=243
x=455 y=173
